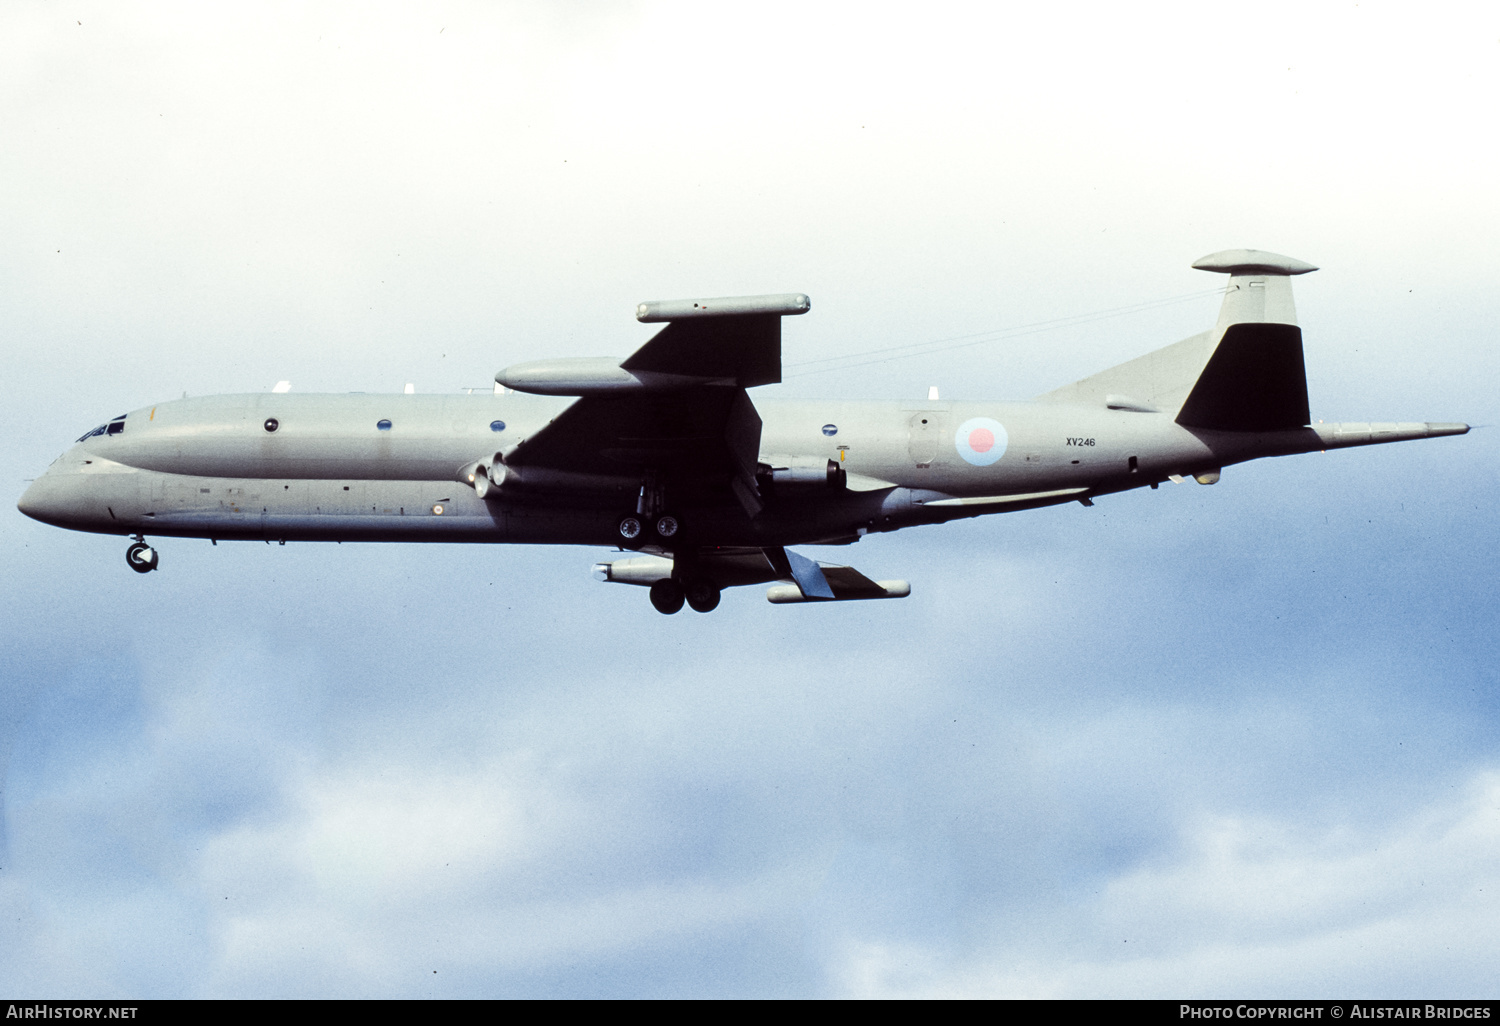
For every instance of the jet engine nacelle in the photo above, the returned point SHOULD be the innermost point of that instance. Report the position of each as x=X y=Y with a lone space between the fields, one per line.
x=486 y=475
x=489 y=478
x=490 y=475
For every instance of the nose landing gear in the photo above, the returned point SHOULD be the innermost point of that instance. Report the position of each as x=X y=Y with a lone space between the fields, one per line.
x=141 y=557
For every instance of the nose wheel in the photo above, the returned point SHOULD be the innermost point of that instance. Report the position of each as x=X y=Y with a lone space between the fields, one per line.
x=142 y=558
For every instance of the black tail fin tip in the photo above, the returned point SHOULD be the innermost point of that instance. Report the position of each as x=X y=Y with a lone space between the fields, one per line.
x=1255 y=381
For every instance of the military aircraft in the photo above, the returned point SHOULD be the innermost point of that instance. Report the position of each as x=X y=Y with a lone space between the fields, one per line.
x=665 y=454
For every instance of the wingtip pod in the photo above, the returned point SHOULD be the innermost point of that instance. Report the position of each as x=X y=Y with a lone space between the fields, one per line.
x=788 y=594
x=787 y=304
x=1251 y=261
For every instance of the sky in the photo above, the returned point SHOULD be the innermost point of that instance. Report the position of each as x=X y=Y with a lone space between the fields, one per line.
x=1197 y=741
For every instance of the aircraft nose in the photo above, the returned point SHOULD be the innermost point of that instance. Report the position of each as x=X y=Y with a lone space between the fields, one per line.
x=33 y=501
x=48 y=501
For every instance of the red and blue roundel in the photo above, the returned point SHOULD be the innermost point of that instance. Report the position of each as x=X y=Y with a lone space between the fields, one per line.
x=980 y=441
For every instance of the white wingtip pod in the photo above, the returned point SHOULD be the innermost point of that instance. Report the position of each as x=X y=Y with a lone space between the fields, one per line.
x=1251 y=261
x=789 y=594
x=786 y=304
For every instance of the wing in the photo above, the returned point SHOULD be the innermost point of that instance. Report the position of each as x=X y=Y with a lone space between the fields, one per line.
x=707 y=435
x=796 y=578
x=676 y=411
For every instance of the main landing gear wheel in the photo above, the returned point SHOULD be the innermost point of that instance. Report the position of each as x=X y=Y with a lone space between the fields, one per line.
x=666 y=596
x=142 y=558
x=630 y=530
x=667 y=526
x=703 y=596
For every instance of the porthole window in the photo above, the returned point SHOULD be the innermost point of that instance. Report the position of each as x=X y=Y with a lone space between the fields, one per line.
x=497 y=425
x=383 y=425
x=272 y=424
x=830 y=430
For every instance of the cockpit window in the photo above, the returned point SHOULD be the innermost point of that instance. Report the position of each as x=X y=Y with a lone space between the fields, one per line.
x=114 y=427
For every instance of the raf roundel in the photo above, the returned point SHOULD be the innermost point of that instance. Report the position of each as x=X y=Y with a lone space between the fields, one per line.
x=980 y=441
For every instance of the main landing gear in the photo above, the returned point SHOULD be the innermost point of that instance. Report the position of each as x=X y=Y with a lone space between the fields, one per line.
x=637 y=529
x=666 y=596
x=650 y=522
x=141 y=557
x=701 y=594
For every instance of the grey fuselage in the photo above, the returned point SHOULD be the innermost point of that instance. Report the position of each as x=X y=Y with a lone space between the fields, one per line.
x=209 y=468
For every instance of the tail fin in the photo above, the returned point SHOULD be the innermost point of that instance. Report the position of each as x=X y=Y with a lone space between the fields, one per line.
x=1255 y=379
x=1244 y=375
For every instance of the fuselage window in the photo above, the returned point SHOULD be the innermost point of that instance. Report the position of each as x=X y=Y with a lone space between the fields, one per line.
x=497 y=425
x=830 y=430
x=383 y=425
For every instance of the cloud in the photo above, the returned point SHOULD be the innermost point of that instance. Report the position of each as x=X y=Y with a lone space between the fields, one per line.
x=1265 y=906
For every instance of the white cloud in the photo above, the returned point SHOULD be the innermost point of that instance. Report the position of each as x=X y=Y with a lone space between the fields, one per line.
x=1265 y=907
